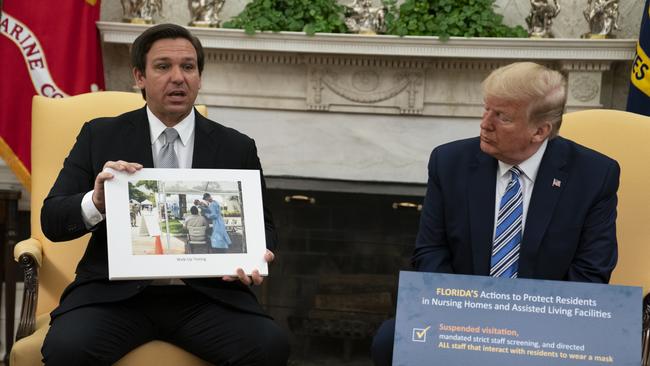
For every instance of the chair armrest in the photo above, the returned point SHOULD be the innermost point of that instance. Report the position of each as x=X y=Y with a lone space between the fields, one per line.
x=32 y=247
x=29 y=254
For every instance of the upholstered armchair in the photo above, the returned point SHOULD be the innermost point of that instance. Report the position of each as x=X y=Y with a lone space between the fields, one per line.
x=50 y=267
x=625 y=137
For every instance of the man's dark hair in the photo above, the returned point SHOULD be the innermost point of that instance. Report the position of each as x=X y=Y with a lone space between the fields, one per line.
x=143 y=43
x=194 y=210
x=206 y=196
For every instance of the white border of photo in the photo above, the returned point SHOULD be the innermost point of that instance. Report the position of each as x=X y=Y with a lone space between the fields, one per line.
x=123 y=264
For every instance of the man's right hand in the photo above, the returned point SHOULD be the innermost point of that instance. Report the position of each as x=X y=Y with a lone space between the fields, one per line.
x=121 y=166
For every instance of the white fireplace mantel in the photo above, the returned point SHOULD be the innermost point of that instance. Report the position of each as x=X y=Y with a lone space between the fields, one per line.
x=381 y=74
x=386 y=45
x=371 y=108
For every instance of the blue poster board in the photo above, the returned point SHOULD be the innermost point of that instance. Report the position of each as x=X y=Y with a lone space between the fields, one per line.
x=450 y=320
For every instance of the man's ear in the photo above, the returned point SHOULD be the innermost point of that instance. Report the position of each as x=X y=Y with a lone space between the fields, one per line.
x=542 y=131
x=138 y=77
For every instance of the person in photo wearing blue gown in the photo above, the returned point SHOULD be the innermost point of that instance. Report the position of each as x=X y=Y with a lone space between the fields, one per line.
x=219 y=238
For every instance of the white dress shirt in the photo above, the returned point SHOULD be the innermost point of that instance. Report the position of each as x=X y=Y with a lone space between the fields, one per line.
x=184 y=146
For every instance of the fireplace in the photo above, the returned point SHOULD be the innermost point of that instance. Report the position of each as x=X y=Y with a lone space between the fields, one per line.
x=339 y=109
x=342 y=245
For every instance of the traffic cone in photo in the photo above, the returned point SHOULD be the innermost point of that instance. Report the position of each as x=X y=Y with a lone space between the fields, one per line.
x=158 y=246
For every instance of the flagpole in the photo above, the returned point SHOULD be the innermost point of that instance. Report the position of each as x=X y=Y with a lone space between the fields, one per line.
x=638 y=99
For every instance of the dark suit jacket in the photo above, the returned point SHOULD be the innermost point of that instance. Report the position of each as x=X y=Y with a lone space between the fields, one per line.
x=570 y=231
x=127 y=138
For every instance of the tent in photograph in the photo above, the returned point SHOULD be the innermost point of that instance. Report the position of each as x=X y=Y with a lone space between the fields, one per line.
x=198 y=188
x=146 y=204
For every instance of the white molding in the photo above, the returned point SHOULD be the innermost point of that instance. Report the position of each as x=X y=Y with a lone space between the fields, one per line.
x=354 y=107
x=267 y=62
x=383 y=45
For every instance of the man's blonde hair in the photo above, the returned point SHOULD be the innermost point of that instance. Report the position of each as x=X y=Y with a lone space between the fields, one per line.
x=542 y=89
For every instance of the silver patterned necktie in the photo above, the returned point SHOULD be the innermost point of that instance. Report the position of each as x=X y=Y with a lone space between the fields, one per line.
x=507 y=237
x=167 y=157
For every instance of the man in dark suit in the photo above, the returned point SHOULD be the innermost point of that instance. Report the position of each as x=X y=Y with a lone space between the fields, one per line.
x=99 y=321
x=518 y=201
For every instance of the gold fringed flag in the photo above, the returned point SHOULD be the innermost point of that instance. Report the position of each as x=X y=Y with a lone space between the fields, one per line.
x=48 y=48
x=638 y=100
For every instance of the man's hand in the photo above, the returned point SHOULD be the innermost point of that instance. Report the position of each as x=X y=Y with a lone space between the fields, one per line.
x=121 y=166
x=255 y=278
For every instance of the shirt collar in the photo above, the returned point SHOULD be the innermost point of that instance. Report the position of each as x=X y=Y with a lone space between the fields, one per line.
x=530 y=166
x=184 y=127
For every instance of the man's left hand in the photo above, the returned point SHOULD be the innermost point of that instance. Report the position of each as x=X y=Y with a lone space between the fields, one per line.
x=255 y=278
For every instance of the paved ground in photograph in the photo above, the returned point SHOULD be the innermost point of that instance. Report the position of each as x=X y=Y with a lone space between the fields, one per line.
x=144 y=244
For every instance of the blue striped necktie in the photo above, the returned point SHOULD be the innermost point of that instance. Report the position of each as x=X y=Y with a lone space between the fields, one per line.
x=507 y=238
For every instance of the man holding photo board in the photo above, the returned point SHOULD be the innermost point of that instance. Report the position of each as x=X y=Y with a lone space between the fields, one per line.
x=217 y=319
x=517 y=201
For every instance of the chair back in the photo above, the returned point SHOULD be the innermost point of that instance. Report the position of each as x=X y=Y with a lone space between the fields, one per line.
x=55 y=124
x=196 y=234
x=624 y=137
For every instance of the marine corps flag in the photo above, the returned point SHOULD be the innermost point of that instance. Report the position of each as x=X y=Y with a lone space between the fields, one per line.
x=638 y=100
x=48 y=48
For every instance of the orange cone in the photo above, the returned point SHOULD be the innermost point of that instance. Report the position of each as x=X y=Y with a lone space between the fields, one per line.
x=158 y=246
